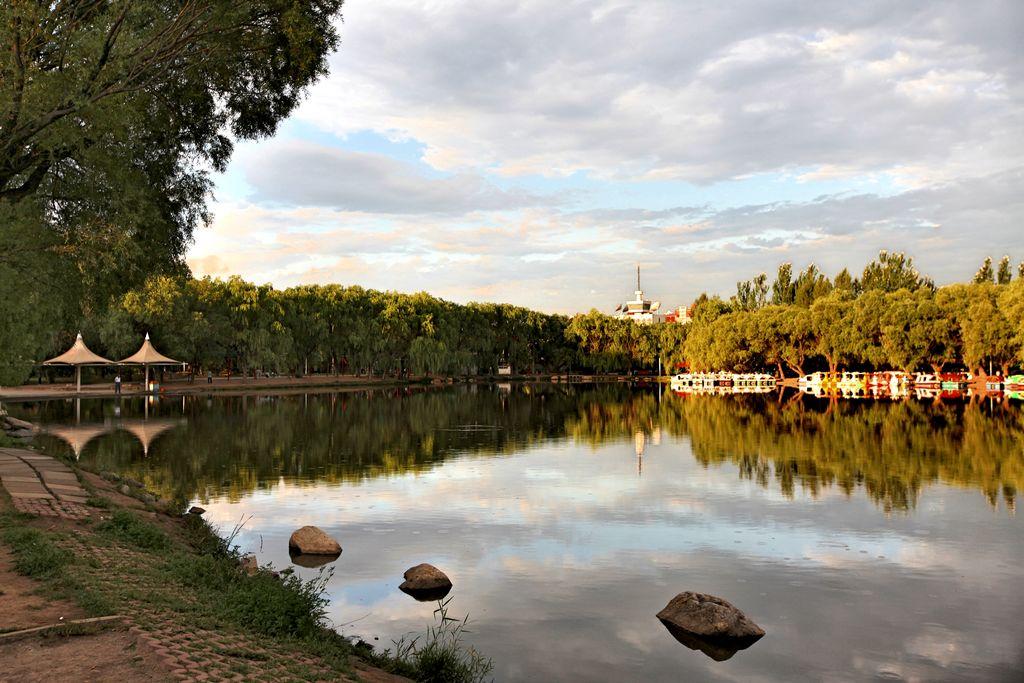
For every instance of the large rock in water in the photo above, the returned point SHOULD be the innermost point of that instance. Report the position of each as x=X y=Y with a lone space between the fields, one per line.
x=311 y=540
x=425 y=582
x=709 y=624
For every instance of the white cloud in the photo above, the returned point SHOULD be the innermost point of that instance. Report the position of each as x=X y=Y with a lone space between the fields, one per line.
x=671 y=89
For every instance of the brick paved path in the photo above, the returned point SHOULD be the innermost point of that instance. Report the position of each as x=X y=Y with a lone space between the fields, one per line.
x=41 y=485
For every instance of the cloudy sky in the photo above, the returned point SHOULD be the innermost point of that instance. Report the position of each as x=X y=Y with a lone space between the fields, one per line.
x=534 y=152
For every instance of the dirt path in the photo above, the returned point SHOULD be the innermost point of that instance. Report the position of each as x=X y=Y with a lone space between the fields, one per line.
x=114 y=656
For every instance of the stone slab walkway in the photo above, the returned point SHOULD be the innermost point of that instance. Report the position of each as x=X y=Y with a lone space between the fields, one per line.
x=41 y=485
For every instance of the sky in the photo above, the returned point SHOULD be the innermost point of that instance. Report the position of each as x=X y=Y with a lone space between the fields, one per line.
x=536 y=152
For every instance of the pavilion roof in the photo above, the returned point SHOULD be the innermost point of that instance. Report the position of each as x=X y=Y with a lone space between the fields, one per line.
x=78 y=354
x=147 y=355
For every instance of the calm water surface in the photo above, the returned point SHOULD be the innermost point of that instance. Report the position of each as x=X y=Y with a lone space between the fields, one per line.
x=870 y=540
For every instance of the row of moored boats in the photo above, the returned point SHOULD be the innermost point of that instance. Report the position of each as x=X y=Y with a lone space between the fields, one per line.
x=723 y=382
x=846 y=383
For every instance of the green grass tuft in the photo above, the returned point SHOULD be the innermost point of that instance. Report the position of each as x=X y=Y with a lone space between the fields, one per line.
x=440 y=655
x=125 y=526
x=35 y=554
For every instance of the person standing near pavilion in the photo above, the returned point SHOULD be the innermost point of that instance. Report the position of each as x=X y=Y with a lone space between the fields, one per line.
x=117 y=384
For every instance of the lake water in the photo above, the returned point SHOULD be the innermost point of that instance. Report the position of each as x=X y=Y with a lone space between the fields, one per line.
x=870 y=540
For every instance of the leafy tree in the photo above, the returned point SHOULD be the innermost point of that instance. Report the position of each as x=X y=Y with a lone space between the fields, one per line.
x=844 y=282
x=985 y=273
x=916 y=332
x=112 y=116
x=1011 y=304
x=1004 y=274
x=987 y=334
x=783 y=289
x=752 y=294
x=891 y=272
x=832 y=322
x=811 y=284
x=867 y=313
x=799 y=340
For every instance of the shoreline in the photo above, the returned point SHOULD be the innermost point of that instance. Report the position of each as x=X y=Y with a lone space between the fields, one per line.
x=240 y=385
x=133 y=563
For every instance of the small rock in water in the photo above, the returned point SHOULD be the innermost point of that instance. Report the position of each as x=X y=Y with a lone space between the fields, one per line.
x=426 y=583
x=311 y=540
x=709 y=624
x=196 y=510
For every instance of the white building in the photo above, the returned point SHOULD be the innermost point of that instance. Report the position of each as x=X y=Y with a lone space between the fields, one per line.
x=640 y=310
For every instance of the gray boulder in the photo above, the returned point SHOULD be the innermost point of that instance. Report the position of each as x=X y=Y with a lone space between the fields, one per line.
x=709 y=624
x=311 y=540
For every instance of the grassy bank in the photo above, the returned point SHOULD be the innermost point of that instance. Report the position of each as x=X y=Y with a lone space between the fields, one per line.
x=181 y=583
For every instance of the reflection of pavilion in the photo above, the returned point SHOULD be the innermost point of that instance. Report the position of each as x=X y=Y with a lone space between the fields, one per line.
x=146 y=431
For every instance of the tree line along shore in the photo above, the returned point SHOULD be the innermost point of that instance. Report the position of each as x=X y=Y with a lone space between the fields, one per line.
x=890 y=317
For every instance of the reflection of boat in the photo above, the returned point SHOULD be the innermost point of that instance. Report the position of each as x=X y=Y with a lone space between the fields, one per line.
x=1014 y=383
x=954 y=380
x=815 y=390
x=820 y=379
x=851 y=391
x=722 y=383
x=852 y=383
x=1015 y=395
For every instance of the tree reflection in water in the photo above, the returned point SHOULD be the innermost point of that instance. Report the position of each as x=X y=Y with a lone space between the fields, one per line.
x=231 y=446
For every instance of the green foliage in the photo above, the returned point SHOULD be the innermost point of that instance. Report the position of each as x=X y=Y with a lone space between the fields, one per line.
x=1004 y=274
x=35 y=554
x=810 y=285
x=126 y=526
x=440 y=655
x=985 y=274
x=112 y=117
x=783 y=290
x=891 y=272
x=238 y=326
x=273 y=606
x=893 y=317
